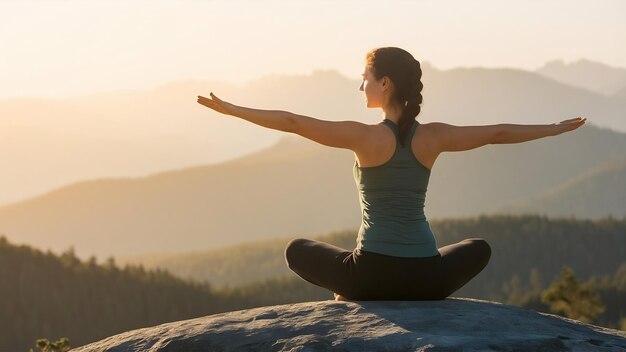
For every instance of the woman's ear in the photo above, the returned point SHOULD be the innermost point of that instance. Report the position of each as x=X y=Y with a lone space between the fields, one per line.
x=385 y=82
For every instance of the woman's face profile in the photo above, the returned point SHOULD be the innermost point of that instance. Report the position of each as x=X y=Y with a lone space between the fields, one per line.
x=373 y=89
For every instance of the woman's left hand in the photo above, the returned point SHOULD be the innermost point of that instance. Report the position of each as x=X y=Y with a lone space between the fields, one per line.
x=571 y=124
x=216 y=104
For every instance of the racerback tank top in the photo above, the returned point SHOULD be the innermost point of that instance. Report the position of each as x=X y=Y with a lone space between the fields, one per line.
x=392 y=197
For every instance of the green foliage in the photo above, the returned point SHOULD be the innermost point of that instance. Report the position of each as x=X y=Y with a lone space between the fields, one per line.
x=575 y=300
x=48 y=294
x=62 y=345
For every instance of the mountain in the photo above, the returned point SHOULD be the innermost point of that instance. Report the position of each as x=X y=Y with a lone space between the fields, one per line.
x=597 y=192
x=586 y=74
x=50 y=143
x=184 y=209
x=294 y=188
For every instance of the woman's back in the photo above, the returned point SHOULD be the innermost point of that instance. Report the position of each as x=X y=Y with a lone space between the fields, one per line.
x=392 y=197
x=382 y=141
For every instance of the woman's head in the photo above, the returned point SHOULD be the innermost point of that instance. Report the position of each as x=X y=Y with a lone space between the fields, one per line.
x=392 y=78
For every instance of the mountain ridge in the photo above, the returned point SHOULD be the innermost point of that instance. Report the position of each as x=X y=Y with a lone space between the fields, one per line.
x=136 y=133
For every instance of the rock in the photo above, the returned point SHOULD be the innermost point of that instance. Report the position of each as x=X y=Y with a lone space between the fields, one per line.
x=453 y=324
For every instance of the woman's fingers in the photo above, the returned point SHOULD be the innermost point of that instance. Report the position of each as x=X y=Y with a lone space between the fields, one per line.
x=574 y=120
x=215 y=103
x=200 y=97
x=571 y=124
x=203 y=100
x=207 y=102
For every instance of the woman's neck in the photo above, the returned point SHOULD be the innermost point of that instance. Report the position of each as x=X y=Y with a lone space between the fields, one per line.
x=392 y=113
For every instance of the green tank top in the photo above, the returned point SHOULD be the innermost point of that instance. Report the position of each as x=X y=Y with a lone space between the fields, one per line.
x=392 y=197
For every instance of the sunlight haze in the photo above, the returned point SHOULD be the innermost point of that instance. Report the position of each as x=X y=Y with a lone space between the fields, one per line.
x=70 y=48
x=97 y=89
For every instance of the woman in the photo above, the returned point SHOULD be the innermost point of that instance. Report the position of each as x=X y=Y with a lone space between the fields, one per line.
x=396 y=257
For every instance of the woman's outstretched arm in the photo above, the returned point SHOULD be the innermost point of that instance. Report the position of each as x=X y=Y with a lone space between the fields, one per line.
x=510 y=133
x=450 y=138
x=274 y=119
x=337 y=134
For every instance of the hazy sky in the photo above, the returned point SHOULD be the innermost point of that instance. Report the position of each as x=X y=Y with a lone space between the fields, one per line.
x=63 y=48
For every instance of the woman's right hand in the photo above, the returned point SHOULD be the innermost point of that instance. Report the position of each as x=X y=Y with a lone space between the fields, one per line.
x=216 y=104
x=570 y=124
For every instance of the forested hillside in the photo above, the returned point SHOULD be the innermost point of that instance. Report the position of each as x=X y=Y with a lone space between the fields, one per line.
x=49 y=295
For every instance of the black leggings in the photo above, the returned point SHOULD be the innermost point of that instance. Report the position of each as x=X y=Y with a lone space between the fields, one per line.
x=363 y=275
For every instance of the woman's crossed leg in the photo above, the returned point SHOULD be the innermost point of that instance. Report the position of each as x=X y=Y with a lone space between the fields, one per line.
x=462 y=261
x=338 y=270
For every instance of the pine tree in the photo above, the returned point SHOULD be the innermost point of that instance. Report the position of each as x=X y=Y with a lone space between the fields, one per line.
x=566 y=296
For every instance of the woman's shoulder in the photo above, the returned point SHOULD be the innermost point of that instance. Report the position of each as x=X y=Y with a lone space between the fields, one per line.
x=430 y=131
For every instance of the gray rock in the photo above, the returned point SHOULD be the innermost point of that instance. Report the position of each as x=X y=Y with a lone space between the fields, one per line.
x=453 y=324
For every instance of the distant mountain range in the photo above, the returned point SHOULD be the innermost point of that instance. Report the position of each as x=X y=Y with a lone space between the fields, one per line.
x=591 y=194
x=586 y=74
x=297 y=188
x=48 y=144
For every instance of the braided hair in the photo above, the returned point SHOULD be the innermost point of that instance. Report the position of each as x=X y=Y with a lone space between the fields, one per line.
x=406 y=73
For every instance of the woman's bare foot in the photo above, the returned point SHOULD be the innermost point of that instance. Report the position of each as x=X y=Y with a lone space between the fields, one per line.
x=340 y=298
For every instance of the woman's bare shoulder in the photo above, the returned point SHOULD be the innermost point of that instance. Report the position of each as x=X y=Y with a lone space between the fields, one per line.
x=428 y=129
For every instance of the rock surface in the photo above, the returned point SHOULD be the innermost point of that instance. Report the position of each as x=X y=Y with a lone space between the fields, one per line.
x=453 y=324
